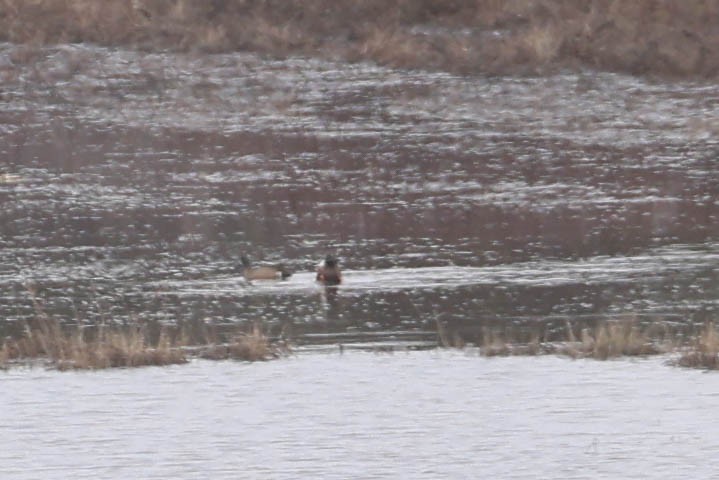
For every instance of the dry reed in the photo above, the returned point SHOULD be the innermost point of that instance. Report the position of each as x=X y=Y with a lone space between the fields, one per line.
x=66 y=349
x=703 y=352
x=494 y=345
x=611 y=340
x=72 y=348
x=607 y=340
x=639 y=36
x=251 y=346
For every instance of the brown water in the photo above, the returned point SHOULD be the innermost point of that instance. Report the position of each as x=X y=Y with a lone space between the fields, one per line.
x=133 y=182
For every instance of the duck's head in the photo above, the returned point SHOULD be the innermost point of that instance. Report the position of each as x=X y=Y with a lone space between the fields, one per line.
x=284 y=272
x=245 y=261
x=330 y=261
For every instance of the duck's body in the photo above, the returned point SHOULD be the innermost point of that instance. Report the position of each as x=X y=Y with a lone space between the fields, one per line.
x=263 y=273
x=328 y=271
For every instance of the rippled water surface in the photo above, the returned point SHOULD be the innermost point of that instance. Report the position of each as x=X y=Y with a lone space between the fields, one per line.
x=131 y=184
x=432 y=414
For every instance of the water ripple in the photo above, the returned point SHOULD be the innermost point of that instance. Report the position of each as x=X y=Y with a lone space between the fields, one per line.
x=334 y=416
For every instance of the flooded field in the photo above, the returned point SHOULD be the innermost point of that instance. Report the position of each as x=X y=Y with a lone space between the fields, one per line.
x=132 y=183
x=362 y=415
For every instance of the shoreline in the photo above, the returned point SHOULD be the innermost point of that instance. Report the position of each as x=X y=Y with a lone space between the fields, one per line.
x=54 y=347
x=646 y=37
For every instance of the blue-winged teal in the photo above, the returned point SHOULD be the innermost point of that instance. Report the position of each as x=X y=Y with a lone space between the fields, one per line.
x=278 y=272
x=329 y=271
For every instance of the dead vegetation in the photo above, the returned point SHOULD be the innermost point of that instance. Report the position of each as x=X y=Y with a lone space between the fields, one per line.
x=72 y=350
x=615 y=339
x=245 y=346
x=65 y=348
x=606 y=340
x=466 y=36
x=703 y=351
x=48 y=343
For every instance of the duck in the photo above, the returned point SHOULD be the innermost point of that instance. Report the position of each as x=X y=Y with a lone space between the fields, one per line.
x=328 y=272
x=250 y=273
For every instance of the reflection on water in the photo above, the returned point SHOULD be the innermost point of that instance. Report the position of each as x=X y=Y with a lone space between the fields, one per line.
x=131 y=184
x=362 y=415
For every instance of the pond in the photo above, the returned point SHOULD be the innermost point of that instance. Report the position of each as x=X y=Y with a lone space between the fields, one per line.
x=424 y=414
x=133 y=182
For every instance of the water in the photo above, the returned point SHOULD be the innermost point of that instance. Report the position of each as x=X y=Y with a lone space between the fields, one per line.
x=432 y=414
x=133 y=182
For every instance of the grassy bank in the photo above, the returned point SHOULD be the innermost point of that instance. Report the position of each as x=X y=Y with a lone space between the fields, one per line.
x=465 y=36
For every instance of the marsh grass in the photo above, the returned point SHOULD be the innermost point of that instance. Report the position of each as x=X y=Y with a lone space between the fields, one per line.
x=249 y=346
x=47 y=341
x=610 y=339
x=638 y=36
x=67 y=348
x=4 y=357
x=703 y=351
x=494 y=345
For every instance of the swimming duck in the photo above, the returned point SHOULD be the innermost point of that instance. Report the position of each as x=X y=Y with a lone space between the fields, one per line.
x=263 y=273
x=328 y=271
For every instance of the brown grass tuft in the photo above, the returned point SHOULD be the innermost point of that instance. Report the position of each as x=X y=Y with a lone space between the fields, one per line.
x=111 y=347
x=611 y=340
x=607 y=340
x=4 y=355
x=253 y=346
x=704 y=351
x=71 y=349
x=494 y=345
x=542 y=43
x=638 y=36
